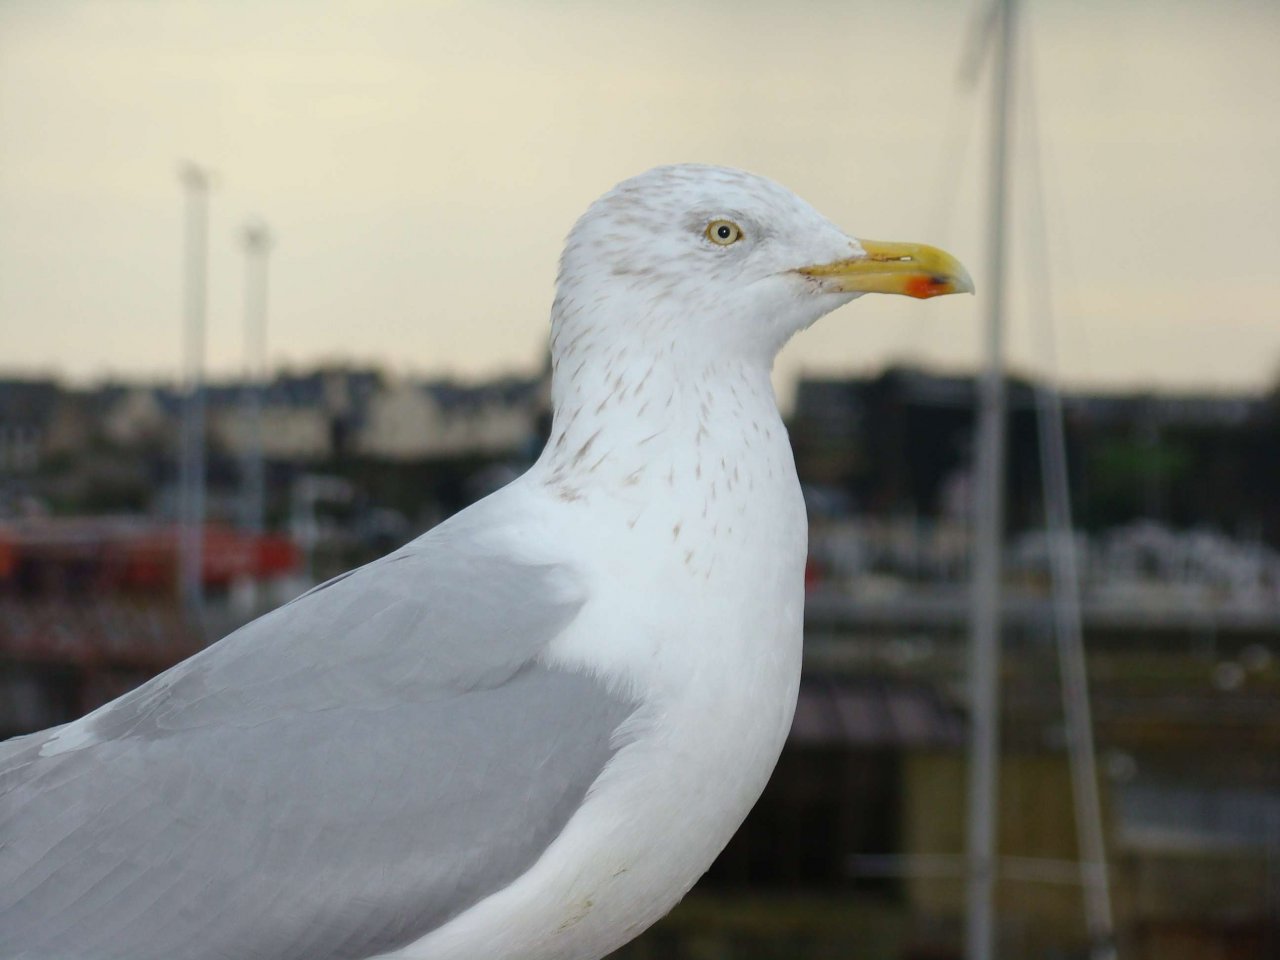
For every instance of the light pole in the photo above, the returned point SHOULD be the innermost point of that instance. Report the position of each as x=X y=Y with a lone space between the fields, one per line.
x=257 y=245
x=195 y=182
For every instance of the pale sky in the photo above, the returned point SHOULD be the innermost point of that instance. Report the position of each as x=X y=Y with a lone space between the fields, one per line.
x=421 y=163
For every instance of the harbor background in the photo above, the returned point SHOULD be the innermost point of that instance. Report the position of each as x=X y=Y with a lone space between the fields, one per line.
x=858 y=840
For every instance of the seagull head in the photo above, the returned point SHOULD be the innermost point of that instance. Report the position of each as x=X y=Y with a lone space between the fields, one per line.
x=695 y=258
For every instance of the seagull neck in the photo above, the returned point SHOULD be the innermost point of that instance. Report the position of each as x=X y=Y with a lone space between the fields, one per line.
x=625 y=422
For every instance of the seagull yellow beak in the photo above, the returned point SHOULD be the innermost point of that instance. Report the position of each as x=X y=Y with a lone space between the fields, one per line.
x=914 y=269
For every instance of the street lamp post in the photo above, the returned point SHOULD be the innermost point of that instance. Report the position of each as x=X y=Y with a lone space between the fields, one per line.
x=257 y=245
x=191 y=508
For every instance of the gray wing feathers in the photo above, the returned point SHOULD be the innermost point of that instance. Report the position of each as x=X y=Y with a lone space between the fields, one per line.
x=332 y=781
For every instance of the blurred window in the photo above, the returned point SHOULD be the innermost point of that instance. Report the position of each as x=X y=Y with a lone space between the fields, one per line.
x=1182 y=816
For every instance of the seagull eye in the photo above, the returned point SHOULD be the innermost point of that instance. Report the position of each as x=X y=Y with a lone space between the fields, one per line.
x=723 y=232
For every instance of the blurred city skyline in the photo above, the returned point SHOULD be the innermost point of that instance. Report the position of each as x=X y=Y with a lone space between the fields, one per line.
x=421 y=163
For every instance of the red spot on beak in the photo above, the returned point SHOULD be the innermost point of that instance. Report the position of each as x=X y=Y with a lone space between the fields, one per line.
x=922 y=288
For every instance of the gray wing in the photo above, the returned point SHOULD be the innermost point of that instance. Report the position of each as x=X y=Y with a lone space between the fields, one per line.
x=333 y=781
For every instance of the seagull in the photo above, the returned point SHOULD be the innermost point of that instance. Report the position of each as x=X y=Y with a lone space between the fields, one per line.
x=528 y=732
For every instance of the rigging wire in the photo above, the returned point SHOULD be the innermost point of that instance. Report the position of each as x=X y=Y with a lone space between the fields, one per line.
x=952 y=165
x=1065 y=574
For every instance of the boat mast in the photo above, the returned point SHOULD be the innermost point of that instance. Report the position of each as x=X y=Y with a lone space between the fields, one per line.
x=984 y=623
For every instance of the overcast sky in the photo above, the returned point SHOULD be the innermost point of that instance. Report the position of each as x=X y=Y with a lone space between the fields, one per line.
x=421 y=163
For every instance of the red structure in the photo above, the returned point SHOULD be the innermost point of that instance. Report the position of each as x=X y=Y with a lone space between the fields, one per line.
x=74 y=557
x=89 y=607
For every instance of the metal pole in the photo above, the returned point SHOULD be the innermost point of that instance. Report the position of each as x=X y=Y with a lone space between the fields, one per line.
x=195 y=182
x=257 y=245
x=984 y=625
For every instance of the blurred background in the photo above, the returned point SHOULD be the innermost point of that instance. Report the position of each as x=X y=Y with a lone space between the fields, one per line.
x=274 y=279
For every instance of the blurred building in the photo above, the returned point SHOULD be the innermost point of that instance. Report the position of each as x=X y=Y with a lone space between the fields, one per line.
x=27 y=409
x=424 y=421
x=114 y=448
x=901 y=443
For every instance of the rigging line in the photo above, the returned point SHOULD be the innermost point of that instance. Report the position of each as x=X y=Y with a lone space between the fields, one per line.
x=978 y=39
x=975 y=52
x=952 y=159
x=1062 y=552
x=1052 y=208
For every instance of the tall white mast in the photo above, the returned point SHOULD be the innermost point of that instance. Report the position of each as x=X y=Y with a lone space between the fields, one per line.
x=984 y=664
x=985 y=612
